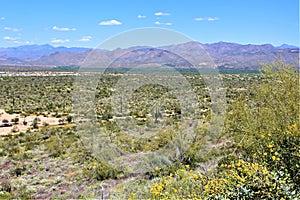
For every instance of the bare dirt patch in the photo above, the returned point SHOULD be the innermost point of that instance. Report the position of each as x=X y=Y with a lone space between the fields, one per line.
x=20 y=126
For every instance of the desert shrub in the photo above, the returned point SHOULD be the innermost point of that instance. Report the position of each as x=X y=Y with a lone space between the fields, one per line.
x=58 y=141
x=54 y=146
x=6 y=195
x=61 y=121
x=15 y=120
x=262 y=159
x=69 y=118
x=5 y=121
x=45 y=124
x=35 y=123
x=265 y=128
x=99 y=170
x=273 y=105
x=10 y=111
x=165 y=170
x=236 y=180
x=15 y=129
x=5 y=186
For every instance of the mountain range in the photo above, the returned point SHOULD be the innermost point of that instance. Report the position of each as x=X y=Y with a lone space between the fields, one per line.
x=225 y=55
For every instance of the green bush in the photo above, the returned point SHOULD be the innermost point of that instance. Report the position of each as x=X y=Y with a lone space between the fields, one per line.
x=265 y=128
x=237 y=180
x=99 y=170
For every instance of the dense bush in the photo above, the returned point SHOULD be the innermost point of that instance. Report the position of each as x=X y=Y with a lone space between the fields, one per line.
x=265 y=128
x=237 y=180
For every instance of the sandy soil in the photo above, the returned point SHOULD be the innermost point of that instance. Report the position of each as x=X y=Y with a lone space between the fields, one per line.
x=20 y=125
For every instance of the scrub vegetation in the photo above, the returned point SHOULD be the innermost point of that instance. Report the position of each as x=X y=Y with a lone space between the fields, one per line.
x=257 y=156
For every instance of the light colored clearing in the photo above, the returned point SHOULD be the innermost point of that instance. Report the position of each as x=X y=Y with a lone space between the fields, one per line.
x=20 y=125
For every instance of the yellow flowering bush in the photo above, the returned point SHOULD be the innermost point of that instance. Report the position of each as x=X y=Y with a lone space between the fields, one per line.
x=183 y=184
x=236 y=180
x=265 y=127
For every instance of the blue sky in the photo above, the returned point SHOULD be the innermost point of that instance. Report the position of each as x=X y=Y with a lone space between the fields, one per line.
x=88 y=23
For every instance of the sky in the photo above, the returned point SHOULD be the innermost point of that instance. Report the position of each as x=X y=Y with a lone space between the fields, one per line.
x=88 y=23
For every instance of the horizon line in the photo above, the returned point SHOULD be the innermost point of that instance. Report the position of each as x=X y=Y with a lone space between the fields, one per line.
x=88 y=47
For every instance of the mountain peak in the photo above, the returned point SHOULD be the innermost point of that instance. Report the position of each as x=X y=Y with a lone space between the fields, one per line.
x=287 y=46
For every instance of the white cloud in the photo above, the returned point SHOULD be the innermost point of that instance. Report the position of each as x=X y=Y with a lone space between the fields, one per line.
x=60 y=41
x=28 y=42
x=16 y=40
x=199 y=19
x=85 y=39
x=23 y=43
x=63 y=28
x=161 y=14
x=141 y=16
x=2 y=18
x=11 y=29
x=110 y=23
x=163 y=23
x=212 y=19
x=206 y=19
x=8 y=38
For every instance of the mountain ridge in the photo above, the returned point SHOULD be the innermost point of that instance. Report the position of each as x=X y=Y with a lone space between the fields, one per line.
x=35 y=51
x=223 y=54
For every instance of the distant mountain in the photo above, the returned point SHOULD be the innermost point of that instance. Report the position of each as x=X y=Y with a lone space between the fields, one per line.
x=9 y=60
x=237 y=56
x=61 y=59
x=286 y=46
x=146 y=56
x=33 y=52
x=231 y=55
x=223 y=54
